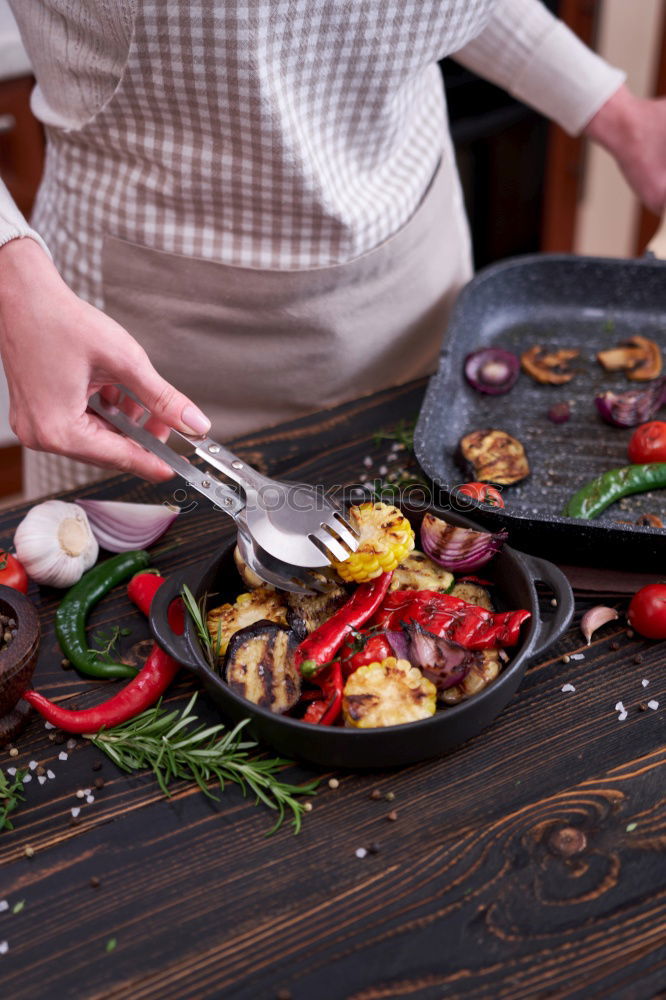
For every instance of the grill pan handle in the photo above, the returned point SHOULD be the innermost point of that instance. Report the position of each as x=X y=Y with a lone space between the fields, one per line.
x=175 y=645
x=546 y=572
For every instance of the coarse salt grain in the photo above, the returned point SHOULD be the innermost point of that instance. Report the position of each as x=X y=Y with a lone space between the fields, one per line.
x=41 y=778
x=87 y=791
x=360 y=852
x=90 y=799
x=50 y=774
x=367 y=461
x=576 y=656
x=383 y=470
x=49 y=725
x=11 y=771
x=75 y=810
x=63 y=755
x=654 y=705
x=80 y=794
x=568 y=687
x=619 y=707
x=32 y=765
x=622 y=716
x=4 y=905
x=4 y=947
x=645 y=682
x=27 y=778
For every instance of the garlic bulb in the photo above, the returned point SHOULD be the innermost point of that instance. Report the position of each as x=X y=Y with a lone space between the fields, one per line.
x=55 y=544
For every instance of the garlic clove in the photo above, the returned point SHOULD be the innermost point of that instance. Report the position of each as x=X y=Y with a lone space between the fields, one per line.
x=55 y=543
x=594 y=618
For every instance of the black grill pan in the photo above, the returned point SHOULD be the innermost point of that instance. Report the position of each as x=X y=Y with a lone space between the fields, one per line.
x=562 y=301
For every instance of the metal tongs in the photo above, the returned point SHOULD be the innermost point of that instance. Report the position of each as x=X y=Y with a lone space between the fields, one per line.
x=288 y=533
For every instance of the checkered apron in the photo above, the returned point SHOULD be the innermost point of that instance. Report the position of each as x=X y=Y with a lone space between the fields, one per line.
x=268 y=202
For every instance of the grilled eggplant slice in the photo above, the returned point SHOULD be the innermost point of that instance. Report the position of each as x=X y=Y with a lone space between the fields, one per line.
x=259 y=665
x=306 y=612
x=483 y=670
x=389 y=693
x=494 y=456
x=261 y=604
x=419 y=572
x=473 y=593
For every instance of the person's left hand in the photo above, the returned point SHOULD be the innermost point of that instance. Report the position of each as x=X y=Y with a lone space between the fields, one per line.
x=633 y=130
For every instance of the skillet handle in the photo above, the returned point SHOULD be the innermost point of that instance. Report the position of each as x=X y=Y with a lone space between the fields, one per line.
x=554 y=578
x=176 y=646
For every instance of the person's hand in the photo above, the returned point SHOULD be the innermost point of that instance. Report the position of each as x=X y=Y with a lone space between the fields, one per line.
x=633 y=130
x=57 y=350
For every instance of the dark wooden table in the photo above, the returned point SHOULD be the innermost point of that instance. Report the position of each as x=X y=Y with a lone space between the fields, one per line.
x=528 y=863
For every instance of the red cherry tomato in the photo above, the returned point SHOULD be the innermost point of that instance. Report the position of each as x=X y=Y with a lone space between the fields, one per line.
x=483 y=493
x=648 y=443
x=647 y=611
x=12 y=573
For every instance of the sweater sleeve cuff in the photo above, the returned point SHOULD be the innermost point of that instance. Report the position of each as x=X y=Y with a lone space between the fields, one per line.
x=535 y=57
x=12 y=224
x=566 y=81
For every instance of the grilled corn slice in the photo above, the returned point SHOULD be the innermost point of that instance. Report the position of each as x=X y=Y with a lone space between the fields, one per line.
x=389 y=693
x=386 y=538
x=262 y=603
x=419 y=572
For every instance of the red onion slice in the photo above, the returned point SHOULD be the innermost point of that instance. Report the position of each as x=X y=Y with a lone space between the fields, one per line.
x=121 y=527
x=442 y=661
x=492 y=370
x=457 y=548
x=636 y=406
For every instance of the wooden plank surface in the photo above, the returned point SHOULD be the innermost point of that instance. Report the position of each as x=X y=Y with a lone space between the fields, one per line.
x=528 y=863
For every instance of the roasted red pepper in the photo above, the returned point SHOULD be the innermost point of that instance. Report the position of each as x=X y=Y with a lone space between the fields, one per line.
x=444 y=615
x=321 y=645
x=140 y=693
x=325 y=710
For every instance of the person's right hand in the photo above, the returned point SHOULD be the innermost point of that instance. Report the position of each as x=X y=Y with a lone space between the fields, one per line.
x=57 y=350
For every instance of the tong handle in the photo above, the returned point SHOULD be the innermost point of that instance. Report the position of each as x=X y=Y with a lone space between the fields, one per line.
x=217 y=492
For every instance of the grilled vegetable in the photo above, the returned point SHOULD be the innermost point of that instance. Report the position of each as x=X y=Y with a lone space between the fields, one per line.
x=492 y=370
x=386 y=537
x=473 y=594
x=259 y=665
x=458 y=548
x=262 y=604
x=494 y=456
x=247 y=575
x=635 y=406
x=389 y=693
x=549 y=367
x=419 y=572
x=306 y=613
x=482 y=671
x=599 y=493
x=639 y=358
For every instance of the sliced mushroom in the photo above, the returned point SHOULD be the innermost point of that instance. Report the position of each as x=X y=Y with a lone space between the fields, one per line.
x=549 y=367
x=638 y=357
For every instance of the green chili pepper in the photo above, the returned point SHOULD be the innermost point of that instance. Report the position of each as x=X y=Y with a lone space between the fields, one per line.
x=71 y=616
x=599 y=493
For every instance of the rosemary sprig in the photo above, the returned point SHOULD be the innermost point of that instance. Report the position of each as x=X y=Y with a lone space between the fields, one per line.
x=106 y=642
x=402 y=433
x=11 y=792
x=212 y=647
x=166 y=743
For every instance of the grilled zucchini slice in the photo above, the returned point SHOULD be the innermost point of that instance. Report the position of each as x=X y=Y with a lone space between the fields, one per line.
x=419 y=572
x=386 y=537
x=494 y=456
x=484 y=670
x=473 y=593
x=259 y=665
x=389 y=693
x=264 y=603
x=307 y=612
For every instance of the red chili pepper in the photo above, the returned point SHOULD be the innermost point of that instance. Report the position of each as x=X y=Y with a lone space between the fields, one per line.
x=321 y=645
x=363 y=648
x=140 y=693
x=444 y=615
x=142 y=588
x=326 y=711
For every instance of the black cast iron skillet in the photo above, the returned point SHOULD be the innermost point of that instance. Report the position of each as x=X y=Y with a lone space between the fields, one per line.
x=560 y=301
x=514 y=574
